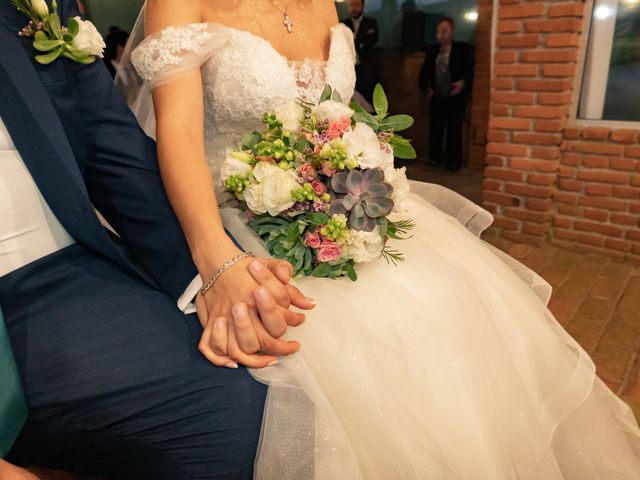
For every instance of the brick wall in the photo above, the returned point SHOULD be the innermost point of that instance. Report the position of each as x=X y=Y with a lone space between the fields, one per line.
x=547 y=178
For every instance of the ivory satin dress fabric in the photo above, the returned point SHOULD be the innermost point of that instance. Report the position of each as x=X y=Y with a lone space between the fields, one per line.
x=445 y=367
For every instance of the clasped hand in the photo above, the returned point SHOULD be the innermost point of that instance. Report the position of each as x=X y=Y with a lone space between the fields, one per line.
x=247 y=310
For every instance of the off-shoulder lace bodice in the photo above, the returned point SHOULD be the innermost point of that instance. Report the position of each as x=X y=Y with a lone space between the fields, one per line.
x=243 y=76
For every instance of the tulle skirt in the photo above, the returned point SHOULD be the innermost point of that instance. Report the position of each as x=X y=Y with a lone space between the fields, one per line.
x=445 y=367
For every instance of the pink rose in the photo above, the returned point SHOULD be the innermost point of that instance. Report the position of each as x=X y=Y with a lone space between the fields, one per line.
x=308 y=172
x=336 y=129
x=328 y=252
x=327 y=170
x=316 y=149
x=318 y=187
x=312 y=240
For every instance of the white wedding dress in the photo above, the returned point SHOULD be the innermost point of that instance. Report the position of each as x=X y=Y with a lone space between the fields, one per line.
x=445 y=367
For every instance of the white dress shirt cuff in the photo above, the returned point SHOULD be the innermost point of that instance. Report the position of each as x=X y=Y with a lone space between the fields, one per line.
x=186 y=301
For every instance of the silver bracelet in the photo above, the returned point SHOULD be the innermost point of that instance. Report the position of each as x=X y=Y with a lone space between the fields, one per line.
x=226 y=266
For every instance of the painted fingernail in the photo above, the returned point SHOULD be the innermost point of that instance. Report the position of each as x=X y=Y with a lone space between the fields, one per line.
x=255 y=266
x=231 y=365
x=275 y=362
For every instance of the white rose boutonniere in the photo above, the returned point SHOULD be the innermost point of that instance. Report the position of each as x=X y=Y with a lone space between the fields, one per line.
x=78 y=40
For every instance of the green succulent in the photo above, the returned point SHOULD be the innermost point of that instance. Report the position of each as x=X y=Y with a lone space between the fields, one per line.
x=362 y=196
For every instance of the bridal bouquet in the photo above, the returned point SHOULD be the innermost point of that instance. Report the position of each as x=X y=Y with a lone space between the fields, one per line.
x=319 y=183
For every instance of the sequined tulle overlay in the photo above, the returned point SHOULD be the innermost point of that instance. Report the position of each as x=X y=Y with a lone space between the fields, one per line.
x=445 y=367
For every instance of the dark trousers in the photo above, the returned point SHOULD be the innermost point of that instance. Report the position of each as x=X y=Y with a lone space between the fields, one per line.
x=115 y=383
x=447 y=115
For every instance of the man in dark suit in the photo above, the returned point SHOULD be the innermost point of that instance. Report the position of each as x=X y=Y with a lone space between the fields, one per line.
x=445 y=78
x=365 y=32
x=110 y=365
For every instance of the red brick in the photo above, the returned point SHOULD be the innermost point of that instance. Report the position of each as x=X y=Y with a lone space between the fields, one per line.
x=626 y=192
x=571 y=133
x=541 y=112
x=549 y=153
x=506 y=223
x=505 y=56
x=594 y=214
x=502 y=83
x=541 y=179
x=570 y=184
x=624 y=136
x=590 y=239
x=598 y=190
x=499 y=110
x=558 y=70
x=507 y=149
x=634 y=208
x=543 y=85
x=595 y=161
x=509 y=26
x=566 y=197
x=534 y=164
x=571 y=210
x=518 y=41
x=635 y=181
x=522 y=10
x=603 y=176
x=491 y=184
x=596 y=147
x=536 y=138
x=573 y=159
x=554 y=98
x=539 y=205
x=606 y=203
x=549 y=56
x=527 y=216
x=563 y=40
x=567 y=172
x=515 y=70
x=500 y=198
x=604 y=229
x=622 y=219
x=566 y=234
x=537 y=240
x=498 y=136
x=633 y=151
x=554 y=26
x=507 y=123
x=494 y=160
x=623 y=164
x=512 y=98
x=633 y=235
x=618 y=244
x=548 y=126
x=562 y=222
x=528 y=190
x=566 y=10
x=533 y=229
x=504 y=174
x=595 y=133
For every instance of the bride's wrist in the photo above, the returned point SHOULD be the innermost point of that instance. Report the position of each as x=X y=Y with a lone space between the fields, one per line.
x=209 y=258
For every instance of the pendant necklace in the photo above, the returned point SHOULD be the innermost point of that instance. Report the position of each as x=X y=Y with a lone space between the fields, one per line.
x=286 y=19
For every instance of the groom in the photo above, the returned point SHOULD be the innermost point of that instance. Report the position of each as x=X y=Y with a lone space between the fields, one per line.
x=110 y=366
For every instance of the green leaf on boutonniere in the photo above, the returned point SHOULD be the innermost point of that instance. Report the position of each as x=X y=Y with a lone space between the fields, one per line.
x=73 y=27
x=85 y=60
x=76 y=52
x=47 y=45
x=54 y=24
x=40 y=35
x=47 y=58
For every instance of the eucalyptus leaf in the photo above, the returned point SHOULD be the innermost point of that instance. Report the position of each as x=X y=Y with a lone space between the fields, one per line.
x=364 y=117
x=380 y=102
x=397 y=123
x=402 y=148
x=326 y=93
x=357 y=108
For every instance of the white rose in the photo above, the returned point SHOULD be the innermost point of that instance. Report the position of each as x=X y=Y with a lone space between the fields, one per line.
x=233 y=166
x=364 y=247
x=290 y=114
x=88 y=38
x=364 y=147
x=331 y=111
x=397 y=177
x=253 y=196
x=277 y=186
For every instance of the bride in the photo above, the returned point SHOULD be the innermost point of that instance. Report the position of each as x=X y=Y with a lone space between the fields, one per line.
x=445 y=367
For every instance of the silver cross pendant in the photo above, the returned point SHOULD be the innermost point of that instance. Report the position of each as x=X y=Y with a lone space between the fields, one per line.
x=287 y=22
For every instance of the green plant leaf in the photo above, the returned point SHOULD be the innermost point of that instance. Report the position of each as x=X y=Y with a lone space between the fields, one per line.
x=326 y=93
x=380 y=102
x=317 y=218
x=47 y=45
x=301 y=144
x=402 y=148
x=54 y=25
x=40 y=35
x=47 y=58
x=356 y=108
x=335 y=96
x=73 y=26
x=396 y=122
x=364 y=117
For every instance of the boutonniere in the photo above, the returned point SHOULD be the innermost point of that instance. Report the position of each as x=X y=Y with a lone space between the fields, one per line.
x=79 y=40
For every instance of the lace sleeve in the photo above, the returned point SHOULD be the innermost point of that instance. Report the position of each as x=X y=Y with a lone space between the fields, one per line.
x=172 y=51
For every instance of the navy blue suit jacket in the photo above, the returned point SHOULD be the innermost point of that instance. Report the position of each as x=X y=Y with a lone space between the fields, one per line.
x=84 y=149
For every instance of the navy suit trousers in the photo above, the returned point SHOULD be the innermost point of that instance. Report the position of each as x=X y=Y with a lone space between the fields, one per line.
x=115 y=383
